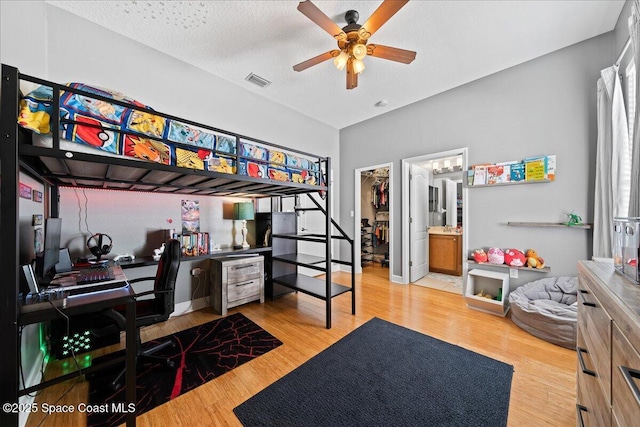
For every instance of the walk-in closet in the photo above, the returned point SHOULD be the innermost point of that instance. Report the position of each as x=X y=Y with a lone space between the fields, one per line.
x=374 y=217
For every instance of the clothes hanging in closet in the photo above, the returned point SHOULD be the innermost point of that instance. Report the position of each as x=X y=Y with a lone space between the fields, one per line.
x=380 y=233
x=380 y=194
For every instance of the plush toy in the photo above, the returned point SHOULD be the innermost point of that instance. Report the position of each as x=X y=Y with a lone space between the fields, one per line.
x=533 y=260
x=514 y=257
x=496 y=256
x=482 y=294
x=479 y=255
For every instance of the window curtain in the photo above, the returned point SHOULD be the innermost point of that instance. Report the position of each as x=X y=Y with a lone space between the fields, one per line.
x=634 y=193
x=612 y=161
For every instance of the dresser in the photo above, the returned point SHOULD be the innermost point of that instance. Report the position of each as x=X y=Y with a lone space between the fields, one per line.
x=236 y=281
x=608 y=347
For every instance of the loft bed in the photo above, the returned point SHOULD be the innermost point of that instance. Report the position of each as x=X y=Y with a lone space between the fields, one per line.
x=133 y=147
x=106 y=140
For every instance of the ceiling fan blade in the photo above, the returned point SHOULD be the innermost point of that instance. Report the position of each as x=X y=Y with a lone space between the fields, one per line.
x=352 y=77
x=391 y=53
x=316 y=60
x=312 y=12
x=382 y=14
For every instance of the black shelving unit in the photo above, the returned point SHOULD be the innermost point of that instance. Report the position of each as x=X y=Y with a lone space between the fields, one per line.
x=286 y=258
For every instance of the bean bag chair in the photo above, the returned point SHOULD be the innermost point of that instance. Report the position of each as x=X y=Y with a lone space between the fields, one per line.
x=548 y=309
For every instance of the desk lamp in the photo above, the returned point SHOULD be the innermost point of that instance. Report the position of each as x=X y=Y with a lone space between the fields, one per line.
x=243 y=211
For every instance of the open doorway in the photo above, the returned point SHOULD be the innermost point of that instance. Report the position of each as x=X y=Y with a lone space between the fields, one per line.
x=434 y=207
x=372 y=219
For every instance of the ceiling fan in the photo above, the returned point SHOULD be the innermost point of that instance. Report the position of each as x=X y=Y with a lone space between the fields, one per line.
x=352 y=39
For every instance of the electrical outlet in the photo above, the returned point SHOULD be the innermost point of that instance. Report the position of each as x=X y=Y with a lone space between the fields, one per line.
x=196 y=271
x=513 y=273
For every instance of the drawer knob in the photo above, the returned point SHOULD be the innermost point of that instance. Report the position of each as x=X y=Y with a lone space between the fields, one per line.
x=244 y=284
x=581 y=350
x=584 y=301
x=580 y=409
x=629 y=376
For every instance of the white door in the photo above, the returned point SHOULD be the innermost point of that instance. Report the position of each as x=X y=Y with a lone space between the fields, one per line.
x=452 y=202
x=418 y=222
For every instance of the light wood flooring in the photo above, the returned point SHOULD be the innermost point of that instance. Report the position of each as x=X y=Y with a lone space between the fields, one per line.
x=542 y=392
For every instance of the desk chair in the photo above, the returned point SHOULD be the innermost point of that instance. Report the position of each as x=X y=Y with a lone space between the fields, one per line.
x=151 y=311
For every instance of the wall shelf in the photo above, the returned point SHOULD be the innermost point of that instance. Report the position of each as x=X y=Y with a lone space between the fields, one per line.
x=548 y=224
x=499 y=184
x=505 y=266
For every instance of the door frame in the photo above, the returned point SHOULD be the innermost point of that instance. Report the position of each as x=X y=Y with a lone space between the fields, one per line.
x=357 y=263
x=406 y=236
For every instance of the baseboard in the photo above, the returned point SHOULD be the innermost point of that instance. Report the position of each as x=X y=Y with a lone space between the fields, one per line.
x=189 y=306
x=396 y=279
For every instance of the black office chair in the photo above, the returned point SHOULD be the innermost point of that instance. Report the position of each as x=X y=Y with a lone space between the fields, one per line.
x=151 y=310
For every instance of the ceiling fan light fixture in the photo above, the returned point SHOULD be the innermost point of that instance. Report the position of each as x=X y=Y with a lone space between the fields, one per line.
x=358 y=66
x=340 y=61
x=359 y=51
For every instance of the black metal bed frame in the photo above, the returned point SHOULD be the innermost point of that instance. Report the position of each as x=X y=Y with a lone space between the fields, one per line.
x=55 y=167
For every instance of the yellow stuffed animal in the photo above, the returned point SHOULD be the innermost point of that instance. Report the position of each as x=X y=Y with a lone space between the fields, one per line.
x=533 y=260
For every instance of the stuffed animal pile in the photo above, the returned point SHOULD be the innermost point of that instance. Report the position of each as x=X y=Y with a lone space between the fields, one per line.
x=511 y=257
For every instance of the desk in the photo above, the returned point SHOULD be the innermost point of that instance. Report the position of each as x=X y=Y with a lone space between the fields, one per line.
x=88 y=303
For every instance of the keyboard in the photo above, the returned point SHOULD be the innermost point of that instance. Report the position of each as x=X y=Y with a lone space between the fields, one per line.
x=86 y=288
x=94 y=287
x=94 y=275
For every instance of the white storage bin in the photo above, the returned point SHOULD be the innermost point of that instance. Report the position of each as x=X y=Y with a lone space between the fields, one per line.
x=488 y=282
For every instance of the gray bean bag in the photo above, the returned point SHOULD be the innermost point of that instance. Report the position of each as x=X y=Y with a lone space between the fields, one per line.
x=548 y=309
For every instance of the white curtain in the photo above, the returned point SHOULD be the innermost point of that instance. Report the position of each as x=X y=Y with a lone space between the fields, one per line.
x=634 y=193
x=613 y=161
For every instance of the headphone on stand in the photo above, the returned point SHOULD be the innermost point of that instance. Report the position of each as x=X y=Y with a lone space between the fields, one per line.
x=97 y=246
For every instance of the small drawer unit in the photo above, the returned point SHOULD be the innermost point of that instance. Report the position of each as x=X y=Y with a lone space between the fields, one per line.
x=236 y=281
x=488 y=291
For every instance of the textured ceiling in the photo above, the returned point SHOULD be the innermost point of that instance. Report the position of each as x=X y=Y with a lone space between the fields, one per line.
x=456 y=42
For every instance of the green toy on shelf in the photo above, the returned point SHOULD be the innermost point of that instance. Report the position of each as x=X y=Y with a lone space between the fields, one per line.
x=574 y=219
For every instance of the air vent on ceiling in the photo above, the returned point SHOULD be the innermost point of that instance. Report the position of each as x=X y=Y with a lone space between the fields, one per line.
x=257 y=80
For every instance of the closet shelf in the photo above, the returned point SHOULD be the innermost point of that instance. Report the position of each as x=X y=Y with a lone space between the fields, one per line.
x=505 y=266
x=310 y=285
x=548 y=224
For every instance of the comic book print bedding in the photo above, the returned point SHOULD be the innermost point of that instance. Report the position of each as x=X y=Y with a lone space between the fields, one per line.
x=99 y=124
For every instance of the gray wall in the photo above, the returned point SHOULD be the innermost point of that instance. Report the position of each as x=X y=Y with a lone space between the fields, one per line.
x=544 y=106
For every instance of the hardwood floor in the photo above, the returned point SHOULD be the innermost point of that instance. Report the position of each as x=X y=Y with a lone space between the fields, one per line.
x=542 y=392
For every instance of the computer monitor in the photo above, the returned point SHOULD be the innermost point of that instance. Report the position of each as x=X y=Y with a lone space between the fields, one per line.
x=48 y=258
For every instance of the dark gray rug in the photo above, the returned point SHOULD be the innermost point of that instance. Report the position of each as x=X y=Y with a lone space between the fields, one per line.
x=383 y=374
